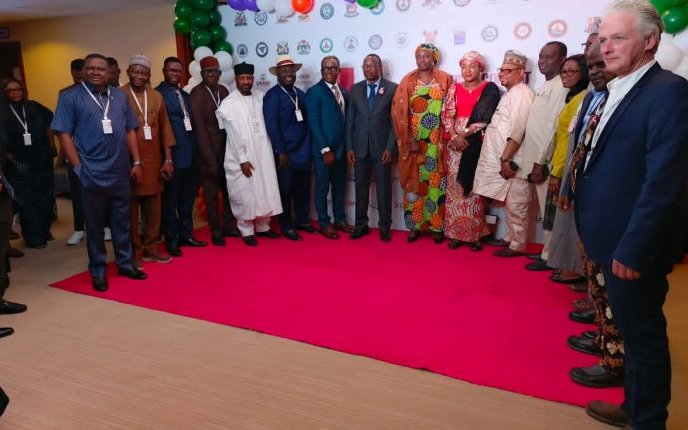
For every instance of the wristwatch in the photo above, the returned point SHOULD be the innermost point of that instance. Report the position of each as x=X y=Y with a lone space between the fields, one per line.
x=136 y=163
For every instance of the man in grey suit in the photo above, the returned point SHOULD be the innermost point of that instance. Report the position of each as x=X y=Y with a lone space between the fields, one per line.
x=371 y=144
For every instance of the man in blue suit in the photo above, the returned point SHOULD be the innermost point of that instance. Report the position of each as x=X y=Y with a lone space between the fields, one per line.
x=326 y=103
x=630 y=189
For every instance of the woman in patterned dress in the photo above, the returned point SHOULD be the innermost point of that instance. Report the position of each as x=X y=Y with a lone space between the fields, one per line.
x=416 y=112
x=468 y=109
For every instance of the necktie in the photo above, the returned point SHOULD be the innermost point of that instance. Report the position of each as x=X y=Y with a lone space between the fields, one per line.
x=338 y=96
x=583 y=147
x=371 y=95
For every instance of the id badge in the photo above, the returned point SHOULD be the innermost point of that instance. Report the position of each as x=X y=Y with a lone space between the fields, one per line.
x=107 y=126
x=299 y=115
x=27 y=139
x=187 y=124
x=147 y=132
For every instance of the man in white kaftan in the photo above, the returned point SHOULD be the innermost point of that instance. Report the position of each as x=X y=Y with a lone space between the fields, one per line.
x=249 y=161
x=500 y=157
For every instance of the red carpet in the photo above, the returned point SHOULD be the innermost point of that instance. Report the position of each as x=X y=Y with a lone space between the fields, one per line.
x=468 y=315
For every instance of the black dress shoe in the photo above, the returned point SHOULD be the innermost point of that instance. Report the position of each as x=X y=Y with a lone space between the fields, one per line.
x=100 y=284
x=329 y=232
x=190 y=241
x=6 y=331
x=132 y=273
x=385 y=236
x=584 y=317
x=306 y=227
x=359 y=232
x=412 y=236
x=7 y=308
x=454 y=243
x=250 y=240
x=438 y=237
x=534 y=256
x=271 y=234
x=476 y=246
x=584 y=344
x=556 y=277
x=580 y=287
x=342 y=226
x=596 y=377
x=507 y=252
x=292 y=235
x=538 y=265
x=231 y=232
x=217 y=240
x=174 y=251
x=497 y=242
x=590 y=334
x=607 y=413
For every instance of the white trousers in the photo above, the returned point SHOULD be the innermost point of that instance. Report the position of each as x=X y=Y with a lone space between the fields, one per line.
x=246 y=226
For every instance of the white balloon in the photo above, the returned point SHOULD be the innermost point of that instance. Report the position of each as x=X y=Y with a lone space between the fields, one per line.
x=195 y=69
x=680 y=40
x=201 y=52
x=668 y=56
x=227 y=77
x=266 y=5
x=193 y=81
x=283 y=8
x=225 y=60
x=682 y=69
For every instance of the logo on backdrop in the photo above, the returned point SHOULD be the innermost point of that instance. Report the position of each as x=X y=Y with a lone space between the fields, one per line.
x=379 y=8
x=430 y=36
x=461 y=3
x=326 y=11
x=401 y=40
x=242 y=50
x=263 y=81
x=375 y=42
x=351 y=10
x=305 y=78
x=262 y=49
x=240 y=19
x=303 y=47
x=403 y=5
x=350 y=43
x=459 y=37
x=557 y=28
x=261 y=17
x=282 y=48
x=326 y=45
x=523 y=30
x=431 y=3
x=489 y=33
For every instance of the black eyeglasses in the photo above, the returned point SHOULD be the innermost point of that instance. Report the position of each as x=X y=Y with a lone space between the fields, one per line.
x=330 y=68
x=505 y=70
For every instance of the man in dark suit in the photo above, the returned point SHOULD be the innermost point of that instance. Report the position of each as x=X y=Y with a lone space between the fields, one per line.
x=629 y=190
x=371 y=144
x=326 y=103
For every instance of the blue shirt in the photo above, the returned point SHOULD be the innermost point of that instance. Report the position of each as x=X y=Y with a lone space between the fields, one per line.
x=105 y=159
x=184 y=152
x=375 y=89
x=287 y=135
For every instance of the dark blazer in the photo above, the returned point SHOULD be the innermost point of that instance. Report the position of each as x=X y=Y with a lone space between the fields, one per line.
x=629 y=198
x=325 y=119
x=370 y=131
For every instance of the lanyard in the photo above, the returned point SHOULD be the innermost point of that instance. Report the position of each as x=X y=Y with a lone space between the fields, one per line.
x=144 y=112
x=215 y=100
x=25 y=122
x=181 y=103
x=294 y=99
x=100 y=103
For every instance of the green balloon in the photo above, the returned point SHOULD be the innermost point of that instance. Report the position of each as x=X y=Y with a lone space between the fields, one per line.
x=183 y=9
x=661 y=8
x=204 y=5
x=182 y=26
x=223 y=46
x=199 y=20
x=200 y=38
x=675 y=20
x=217 y=33
x=215 y=16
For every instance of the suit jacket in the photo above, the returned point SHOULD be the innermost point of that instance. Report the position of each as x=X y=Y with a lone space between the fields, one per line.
x=325 y=119
x=630 y=197
x=370 y=131
x=210 y=138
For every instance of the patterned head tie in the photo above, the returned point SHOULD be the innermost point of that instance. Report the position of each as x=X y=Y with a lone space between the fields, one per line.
x=430 y=48
x=473 y=57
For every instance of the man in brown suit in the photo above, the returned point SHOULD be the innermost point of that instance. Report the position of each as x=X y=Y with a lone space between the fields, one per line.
x=205 y=99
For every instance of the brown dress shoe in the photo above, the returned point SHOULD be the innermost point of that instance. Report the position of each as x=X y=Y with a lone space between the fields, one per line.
x=329 y=232
x=607 y=413
x=582 y=304
x=507 y=253
x=596 y=377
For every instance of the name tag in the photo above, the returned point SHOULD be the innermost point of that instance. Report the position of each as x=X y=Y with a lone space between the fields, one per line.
x=147 y=132
x=187 y=124
x=299 y=115
x=27 y=139
x=107 y=126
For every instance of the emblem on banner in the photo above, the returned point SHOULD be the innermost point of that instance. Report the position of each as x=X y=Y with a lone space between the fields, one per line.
x=523 y=30
x=351 y=10
x=489 y=33
x=557 y=28
x=459 y=37
x=379 y=8
x=240 y=19
x=261 y=17
x=430 y=36
x=350 y=43
x=326 y=11
x=262 y=49
x=282 y=48
x=375 y=42
x=403 y=5
x=263 y=81
x=431 y=3
x=461 y=3
x=305 y=78
x=401 y=40
x=242 y=50
x=326 y=45
x=303 y=47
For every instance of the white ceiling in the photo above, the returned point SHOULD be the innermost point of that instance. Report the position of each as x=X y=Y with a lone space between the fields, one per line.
x=19 y=10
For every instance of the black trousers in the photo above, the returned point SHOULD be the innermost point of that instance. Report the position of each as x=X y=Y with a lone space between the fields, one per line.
x=75 y=194
x=177 y=205
x=295 y=191
x=34 y=191
x=212 y=186
x=5 y=227
x=363 y=169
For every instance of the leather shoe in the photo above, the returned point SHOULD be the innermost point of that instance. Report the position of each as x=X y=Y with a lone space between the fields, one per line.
x=584 y=344
x=231 y=232
x=359 y=232
x=6 y=331
x=190 y=241
x=132 y=273
x=100 y=284
x=590 y=334
x=217 y=240
x=476 y=246
x=538 y=265
x=596 y=377
x=507 y=252
x=342 y=226
x=454 y=243
x=607 y=413
x=438 y=237
x=7 y=308
x=534 y=256
x=174 y=251
x=385 y=236
x=582 y=304
x=292 y=235
x=250 y=240
x=412 y=236
x=269 y=233
x=584 y=317
x=497 y=242
x=306 y=227
x=580 y=287
x=329 y=232
x=15 y=252
x=556 y=277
